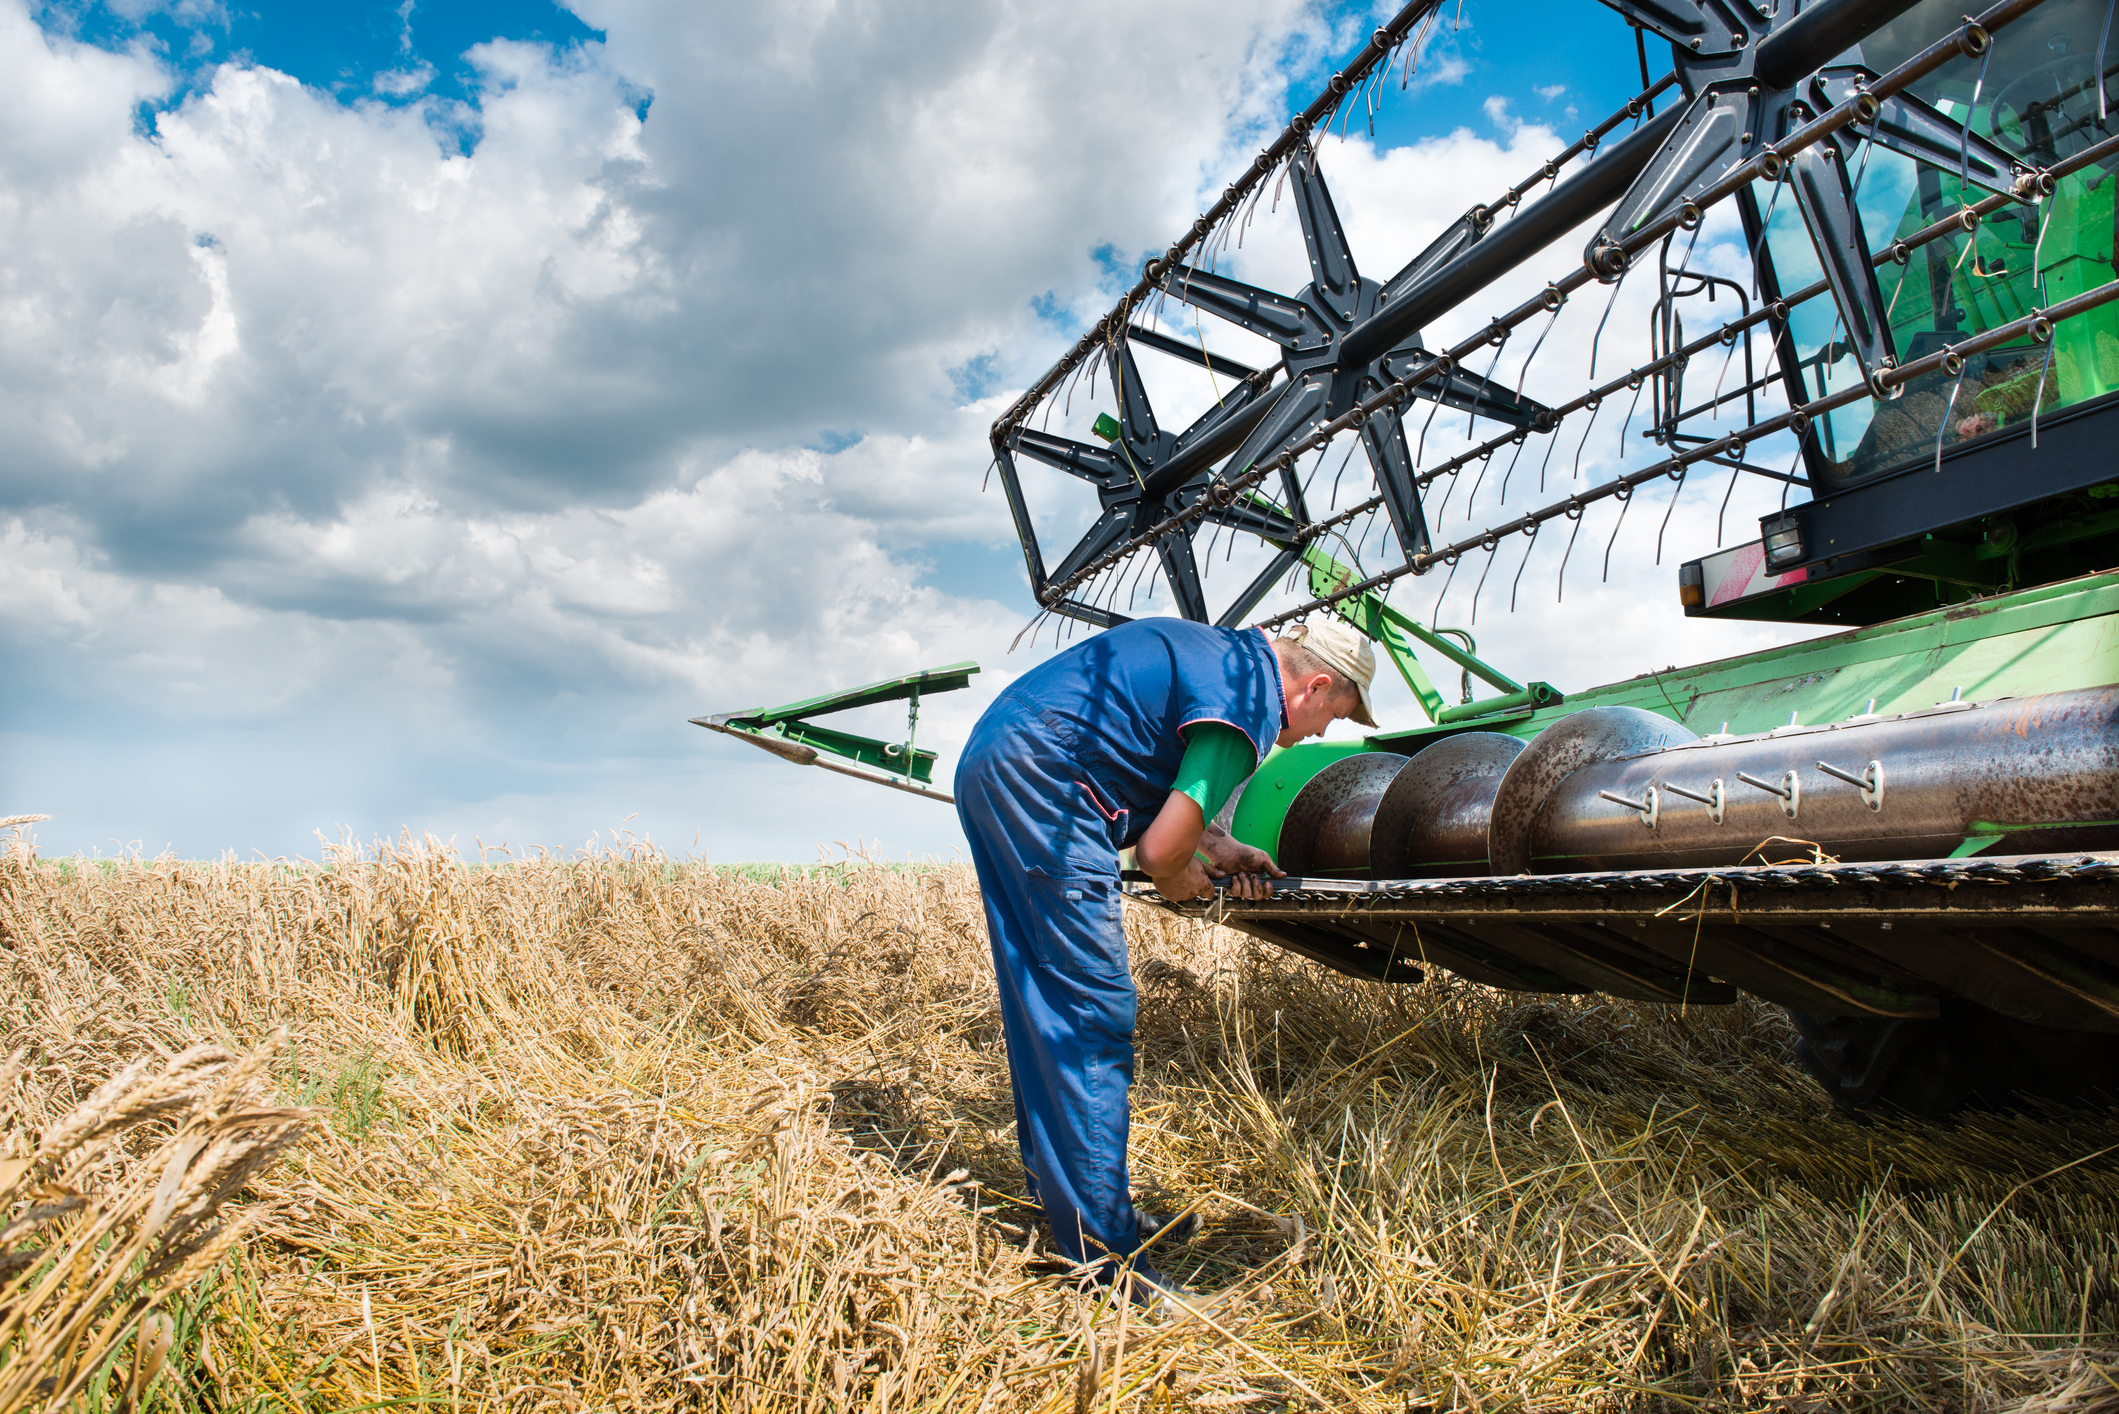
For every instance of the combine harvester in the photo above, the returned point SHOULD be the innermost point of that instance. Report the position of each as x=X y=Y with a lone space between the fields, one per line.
x=1944 y=773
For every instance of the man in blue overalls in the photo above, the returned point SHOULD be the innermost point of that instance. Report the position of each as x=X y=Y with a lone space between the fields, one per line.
x=1135 y=737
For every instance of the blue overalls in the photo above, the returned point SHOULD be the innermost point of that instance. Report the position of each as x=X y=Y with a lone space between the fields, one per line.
x=1068 y=766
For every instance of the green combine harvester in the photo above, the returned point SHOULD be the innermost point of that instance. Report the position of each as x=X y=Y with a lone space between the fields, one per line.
x=1906 y=832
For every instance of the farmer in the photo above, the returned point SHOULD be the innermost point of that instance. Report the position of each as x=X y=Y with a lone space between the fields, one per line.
x=1135 y=737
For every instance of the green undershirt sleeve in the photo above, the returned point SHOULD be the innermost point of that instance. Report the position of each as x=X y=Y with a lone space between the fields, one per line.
x=1217 y=759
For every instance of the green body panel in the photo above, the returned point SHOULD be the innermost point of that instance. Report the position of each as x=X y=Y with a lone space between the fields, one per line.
x=2051 y=638
x=881 y=755
x=786 y=732
x=1276 y=783
x=926 y=681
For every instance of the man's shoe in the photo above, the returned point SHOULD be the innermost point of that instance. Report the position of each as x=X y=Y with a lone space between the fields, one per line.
x=1167 y=1233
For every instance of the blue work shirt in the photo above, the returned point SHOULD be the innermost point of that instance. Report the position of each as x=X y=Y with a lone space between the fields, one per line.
x=1116 y=707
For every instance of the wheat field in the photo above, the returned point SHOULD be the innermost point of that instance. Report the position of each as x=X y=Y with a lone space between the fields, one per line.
x=622 y=1131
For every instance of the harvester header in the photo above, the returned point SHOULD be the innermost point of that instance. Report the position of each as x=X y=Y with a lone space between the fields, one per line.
x=1907 y=833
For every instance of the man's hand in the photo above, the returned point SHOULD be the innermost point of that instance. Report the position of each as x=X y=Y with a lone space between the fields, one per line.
x=1247 y=868
x=1169 y=854
x=1190 y=882
x=1231 y=856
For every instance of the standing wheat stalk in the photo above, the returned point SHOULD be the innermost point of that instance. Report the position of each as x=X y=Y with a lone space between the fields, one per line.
x=19 y=846
x=117 y=1207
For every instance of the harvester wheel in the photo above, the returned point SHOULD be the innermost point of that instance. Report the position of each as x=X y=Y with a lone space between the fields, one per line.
x=1969 y=1058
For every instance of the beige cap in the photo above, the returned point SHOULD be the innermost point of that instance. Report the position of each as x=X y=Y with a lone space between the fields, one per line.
x=1345 y=652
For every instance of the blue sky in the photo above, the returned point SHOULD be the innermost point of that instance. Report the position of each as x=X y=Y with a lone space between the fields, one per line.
x=416 y=49
x=411 y=414
x=1558 y=60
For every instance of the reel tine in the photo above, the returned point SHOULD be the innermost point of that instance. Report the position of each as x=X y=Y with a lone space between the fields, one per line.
x=1631 y=409
x=1587 y=428
x=1491 y=365
x=1552 y=440
x=1145 y=556
x=1625 y=504
x=1714 y=404
x=1598 y=337
x=1523 y=373
x=1677 y=491
x=1447 y=492
x=1207 y=561
x=1560 y=590
x=1476 y=590
x=1352 y=443
x=1035 y=619
x=1433 y=407
x=1435 y=619
x=1473 y=499
x=1107 y=589
x=1523 y=565
x=1949 y=411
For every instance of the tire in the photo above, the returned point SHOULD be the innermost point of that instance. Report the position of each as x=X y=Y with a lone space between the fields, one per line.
x=1970 y=1058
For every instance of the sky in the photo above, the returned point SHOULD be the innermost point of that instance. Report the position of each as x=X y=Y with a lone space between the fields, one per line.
x=411 y=414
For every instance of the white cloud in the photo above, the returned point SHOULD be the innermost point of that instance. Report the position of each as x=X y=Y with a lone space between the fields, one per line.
x=403 y=83
x=354 y=480
x=316 y=422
